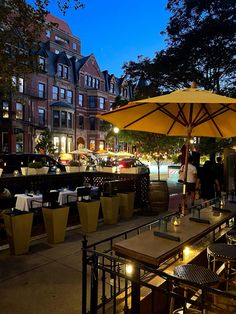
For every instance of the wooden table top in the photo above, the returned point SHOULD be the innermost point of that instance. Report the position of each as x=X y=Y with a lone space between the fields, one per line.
x=152 y=250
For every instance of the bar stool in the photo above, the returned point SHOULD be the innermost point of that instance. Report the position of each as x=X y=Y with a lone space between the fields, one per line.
x=231 y=237
x=224 y=253
x=195 y=274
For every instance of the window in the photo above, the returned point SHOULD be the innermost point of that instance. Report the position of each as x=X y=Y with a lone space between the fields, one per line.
x=55 y=93
x=63 y=93
x=69 y=116
x=41 y=116
x=41 y=90
x=93 y=82
x=89 y=81
x=81 y=100
x=102 y=103
x=48 y=33
x=97 y=84
x=5 y=109
x=63 y=119
x=66 y=72
x=111 y=105
x=18 y=83
x=92 y=144
x=61 y=39
x=19 y=111
x=42 y=63
x=112 y=88
x=19 y=141
x=56 y=142
x=91 y=101
x=70 y=97
x=60 y=70
x=81 y=122
x=74 y=46
x=63 y=71
x=101 y=125
x=56 y=118
x=92 y=123
x=21 y=85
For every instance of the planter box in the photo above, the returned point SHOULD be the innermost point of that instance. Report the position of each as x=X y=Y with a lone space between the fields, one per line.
x=1 y=170
x=107 y=169
x=82 y=168
x=134 y=170
x=55 y=221
x=126 y=204
x=88 y=213
x=18 y=228
x=32 y=171
x=110 y=209
x=71 y=169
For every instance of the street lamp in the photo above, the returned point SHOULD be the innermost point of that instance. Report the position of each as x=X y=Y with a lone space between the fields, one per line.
x=116 y=130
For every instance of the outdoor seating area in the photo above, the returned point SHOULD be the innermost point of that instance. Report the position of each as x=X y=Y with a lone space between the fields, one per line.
x=191 y=271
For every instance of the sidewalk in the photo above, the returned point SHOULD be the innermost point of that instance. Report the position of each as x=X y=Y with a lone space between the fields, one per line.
x=49 y=278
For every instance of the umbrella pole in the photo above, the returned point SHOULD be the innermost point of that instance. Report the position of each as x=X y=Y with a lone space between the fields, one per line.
x=184 y=195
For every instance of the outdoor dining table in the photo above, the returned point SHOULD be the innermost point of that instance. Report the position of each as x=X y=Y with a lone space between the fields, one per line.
x=152 y=250
x=24 y=201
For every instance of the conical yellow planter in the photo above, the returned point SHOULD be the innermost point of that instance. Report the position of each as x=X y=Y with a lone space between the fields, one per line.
x=18 y=228
x=55 y=221
x=126 y=204
x=110 y=209
x=88 y=213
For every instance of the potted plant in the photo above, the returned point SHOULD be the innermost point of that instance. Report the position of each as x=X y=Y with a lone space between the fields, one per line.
x=34 y=167
x=73 y=166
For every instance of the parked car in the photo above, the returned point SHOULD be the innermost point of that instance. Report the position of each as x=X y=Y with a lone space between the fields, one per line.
x=11 y=162
x=132 y=162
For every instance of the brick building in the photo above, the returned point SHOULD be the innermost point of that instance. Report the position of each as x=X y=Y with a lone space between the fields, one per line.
x=64 y=97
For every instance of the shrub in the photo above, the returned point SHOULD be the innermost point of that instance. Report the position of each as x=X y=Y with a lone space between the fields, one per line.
x=74 y=163
x=35 y=164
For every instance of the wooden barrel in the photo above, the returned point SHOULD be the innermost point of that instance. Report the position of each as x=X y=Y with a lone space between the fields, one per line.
x=158 y=194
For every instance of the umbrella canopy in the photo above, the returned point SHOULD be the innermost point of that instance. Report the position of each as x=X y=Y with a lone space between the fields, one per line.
x=187 y=112
x=123 y=154
x=82 y=151
x=190 y=111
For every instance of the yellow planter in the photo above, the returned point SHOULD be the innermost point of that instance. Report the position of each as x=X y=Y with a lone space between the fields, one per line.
x=110 y=209
x=88 y=213
x=126 y=204
x=18 y=228
x=55 y=221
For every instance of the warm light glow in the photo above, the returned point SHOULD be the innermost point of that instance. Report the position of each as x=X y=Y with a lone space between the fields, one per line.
x=116 y=130
x=186 y=251
x=129 y=269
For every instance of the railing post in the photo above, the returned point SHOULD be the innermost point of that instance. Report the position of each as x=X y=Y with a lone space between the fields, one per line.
x=135 y=299
x=84 y=275
x=94 y=285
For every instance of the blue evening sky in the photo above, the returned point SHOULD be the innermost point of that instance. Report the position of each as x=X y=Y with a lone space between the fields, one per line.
x=117 y=31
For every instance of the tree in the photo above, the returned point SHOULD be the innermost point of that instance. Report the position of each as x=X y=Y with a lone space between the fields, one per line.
x=157 y=146
x=21 y=27
x=44 y=144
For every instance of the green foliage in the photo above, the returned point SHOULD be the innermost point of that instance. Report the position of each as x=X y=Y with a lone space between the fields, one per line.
x=35 y=164
x=45 y=143
x=74 y=163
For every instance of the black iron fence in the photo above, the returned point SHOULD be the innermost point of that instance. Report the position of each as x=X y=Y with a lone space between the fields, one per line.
x=137 y=182
x=109 y=287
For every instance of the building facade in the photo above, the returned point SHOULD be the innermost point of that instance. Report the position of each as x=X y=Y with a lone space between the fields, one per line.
x=65 y=97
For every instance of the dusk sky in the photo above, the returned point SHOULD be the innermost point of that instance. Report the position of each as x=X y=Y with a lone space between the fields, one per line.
x=117 y=31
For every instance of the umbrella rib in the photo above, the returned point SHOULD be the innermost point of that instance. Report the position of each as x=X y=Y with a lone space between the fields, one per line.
x=140 y=118
x=211 y=117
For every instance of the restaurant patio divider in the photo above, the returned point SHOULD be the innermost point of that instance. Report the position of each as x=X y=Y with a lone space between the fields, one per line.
x=109 y=287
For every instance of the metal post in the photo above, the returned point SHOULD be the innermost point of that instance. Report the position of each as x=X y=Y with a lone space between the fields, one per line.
x=84 y=275
x=94 y=285
x=135 y=301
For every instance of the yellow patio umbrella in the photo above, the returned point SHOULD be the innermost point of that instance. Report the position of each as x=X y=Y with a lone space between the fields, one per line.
x=123 y=154
x=187 y=112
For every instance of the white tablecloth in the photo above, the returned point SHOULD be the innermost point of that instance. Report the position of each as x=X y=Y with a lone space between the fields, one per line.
x=67 y=196
x=24 y=201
